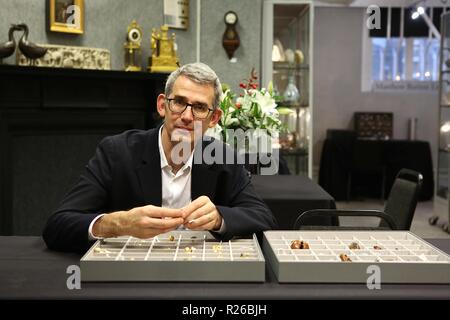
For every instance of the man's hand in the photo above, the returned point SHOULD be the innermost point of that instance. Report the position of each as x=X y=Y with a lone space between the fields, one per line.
x=140 y=222
x=201 y=214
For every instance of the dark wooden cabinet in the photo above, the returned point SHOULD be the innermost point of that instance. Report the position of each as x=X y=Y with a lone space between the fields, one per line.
x=50 y=123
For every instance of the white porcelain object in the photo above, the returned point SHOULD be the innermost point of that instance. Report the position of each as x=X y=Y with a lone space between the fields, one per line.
x=278 y=51
x=276 y=55
x=289 y=54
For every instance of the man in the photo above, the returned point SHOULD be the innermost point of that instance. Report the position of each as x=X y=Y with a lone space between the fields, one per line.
x=147 y=184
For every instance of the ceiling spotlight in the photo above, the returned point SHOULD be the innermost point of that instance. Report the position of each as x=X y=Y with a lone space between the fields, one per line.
x=419 y=11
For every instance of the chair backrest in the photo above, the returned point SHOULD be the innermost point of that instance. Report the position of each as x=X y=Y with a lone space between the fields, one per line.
x=303 y=219
x=402 y=200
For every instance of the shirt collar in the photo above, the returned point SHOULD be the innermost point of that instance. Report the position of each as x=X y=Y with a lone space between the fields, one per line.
x=164 y=163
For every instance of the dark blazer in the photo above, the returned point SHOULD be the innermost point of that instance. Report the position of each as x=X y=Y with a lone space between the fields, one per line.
x=125 y=172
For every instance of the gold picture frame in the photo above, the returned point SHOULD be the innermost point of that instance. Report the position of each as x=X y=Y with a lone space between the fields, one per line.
x=66 y=16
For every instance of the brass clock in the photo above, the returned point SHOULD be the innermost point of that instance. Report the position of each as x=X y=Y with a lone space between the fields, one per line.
x=132 y=47
x=134 y=34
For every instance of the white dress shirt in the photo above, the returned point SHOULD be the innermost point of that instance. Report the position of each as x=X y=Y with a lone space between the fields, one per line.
x=176 y=188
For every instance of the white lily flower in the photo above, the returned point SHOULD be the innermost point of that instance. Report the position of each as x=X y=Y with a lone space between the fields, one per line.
x=265 y=101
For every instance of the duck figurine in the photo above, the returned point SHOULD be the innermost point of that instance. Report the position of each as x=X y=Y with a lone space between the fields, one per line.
x=28 y=48
x=7 y=48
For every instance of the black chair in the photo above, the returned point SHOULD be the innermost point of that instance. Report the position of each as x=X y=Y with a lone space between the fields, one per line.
x=398 y=211
x=402 y=201
x=303 y=221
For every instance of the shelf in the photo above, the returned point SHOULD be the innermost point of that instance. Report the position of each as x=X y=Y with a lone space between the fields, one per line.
x=294 y=151
x=290 y=25
x=282 y=104
x=288 y=66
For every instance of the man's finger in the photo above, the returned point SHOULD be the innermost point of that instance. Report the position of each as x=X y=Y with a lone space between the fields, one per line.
x=156 y=223
x=199 y=213
x=200 y=221
x=158 y=212
x=205 y=226
x=194 y=205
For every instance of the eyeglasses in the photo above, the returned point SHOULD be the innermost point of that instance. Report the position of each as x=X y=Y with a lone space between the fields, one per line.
x=199 y=110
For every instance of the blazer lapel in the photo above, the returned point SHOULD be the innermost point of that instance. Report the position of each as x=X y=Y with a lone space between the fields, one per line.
x=149 y=170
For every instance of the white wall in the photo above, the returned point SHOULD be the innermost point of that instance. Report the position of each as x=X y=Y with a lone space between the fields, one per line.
x=337 y=83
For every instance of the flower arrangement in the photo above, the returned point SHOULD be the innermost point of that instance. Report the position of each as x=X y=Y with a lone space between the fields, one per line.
x=253 y=109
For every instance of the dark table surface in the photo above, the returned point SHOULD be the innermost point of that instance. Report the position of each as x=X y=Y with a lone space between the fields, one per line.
x=289 y=195
x=30 y=271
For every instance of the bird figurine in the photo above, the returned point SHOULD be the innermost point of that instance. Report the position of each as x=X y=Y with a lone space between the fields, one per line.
x=28 y=48
x=7 y=48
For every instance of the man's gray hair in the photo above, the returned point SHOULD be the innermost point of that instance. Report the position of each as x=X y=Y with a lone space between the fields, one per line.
x=199 y=73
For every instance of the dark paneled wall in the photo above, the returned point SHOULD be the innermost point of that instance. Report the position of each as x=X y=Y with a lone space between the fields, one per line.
x=50 y=123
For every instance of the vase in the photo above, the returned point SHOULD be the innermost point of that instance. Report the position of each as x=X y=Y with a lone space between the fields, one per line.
x=291 y=95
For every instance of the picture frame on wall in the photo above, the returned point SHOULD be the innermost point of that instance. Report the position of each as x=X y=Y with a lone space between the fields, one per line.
x=66 y=16
x=374 y=125
x=176 y=14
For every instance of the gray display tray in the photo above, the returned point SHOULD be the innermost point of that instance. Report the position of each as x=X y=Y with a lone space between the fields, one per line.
x=175 y=256
x=401 y=256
